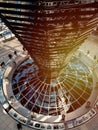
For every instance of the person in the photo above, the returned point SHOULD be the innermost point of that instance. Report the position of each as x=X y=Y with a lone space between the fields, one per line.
x=10 y=56
x=2 y=64
x=64 y=122
x=63 y=117
x=14 y=63
x=24 y=49
x=88 y=104
x=19 y=126
x=15 y=53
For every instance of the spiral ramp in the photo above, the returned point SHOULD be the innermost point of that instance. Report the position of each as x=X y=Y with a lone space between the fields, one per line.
x=28 y=97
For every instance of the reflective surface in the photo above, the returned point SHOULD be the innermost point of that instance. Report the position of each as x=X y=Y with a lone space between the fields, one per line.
x=66 y=93
x=50 y=30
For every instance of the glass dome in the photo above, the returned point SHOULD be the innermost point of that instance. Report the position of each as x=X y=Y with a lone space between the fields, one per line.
x=65 y=94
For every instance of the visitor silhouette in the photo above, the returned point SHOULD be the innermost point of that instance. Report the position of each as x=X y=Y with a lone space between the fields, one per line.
x=19 y=126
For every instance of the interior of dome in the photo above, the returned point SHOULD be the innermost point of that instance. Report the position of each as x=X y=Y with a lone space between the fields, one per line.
x=54 y=71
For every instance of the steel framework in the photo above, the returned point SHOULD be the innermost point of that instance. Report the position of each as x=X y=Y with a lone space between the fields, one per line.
x=50 y=30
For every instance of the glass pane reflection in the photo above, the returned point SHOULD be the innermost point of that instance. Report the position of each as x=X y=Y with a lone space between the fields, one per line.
x=64 y=94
